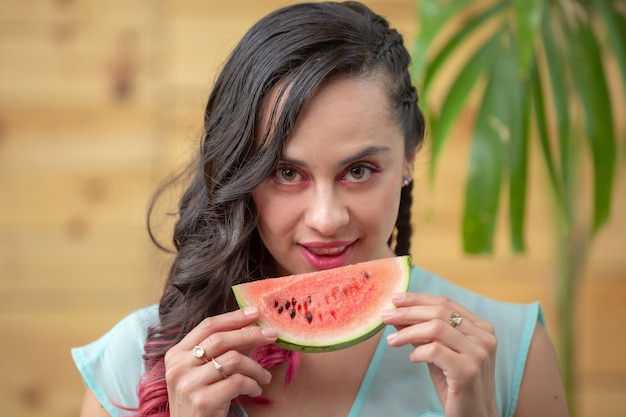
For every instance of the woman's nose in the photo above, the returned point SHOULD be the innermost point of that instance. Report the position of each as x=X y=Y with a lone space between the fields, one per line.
x=326 y=212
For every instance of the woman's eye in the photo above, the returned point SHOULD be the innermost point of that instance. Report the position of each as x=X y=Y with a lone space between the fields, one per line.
x=287 y=175
x=359 y=173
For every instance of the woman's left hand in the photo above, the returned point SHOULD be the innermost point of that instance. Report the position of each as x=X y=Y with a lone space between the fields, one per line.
x=461 y=358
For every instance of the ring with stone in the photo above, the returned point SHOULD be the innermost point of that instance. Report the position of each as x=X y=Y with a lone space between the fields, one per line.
x=198 y=352
x=218 y=366
x=455 y=319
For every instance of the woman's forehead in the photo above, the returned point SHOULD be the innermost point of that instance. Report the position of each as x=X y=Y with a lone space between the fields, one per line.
x=272 y=108
x=345 y=116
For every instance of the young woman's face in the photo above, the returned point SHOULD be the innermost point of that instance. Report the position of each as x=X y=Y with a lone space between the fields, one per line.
x=334 y=198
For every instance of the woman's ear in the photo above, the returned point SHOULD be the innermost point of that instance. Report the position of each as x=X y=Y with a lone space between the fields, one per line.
x=409 y=164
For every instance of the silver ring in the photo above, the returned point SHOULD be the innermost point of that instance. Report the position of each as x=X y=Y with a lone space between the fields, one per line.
x=218 y=366
x=455 y=319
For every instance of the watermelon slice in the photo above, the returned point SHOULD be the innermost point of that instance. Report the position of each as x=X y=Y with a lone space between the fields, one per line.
x=327 y=310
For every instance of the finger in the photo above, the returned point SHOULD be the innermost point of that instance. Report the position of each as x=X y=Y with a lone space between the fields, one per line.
x=411 y=314
x=415 y=308
x=427 y=327
x=244 y=340
x=220 y=394
x=237 y=385
x=222 y=322
x=205 y=387
x=451 y=363
x=447 y=307
x=458 y=370
x=231 y=363
x=435 y=353
x=433 y=331
x=403 y=317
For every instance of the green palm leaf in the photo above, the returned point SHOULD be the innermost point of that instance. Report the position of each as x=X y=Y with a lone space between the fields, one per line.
x=488 y=152
x=456 y=99
x=433 y=15
x=557 y=69
x=526 y=21
x=441 y=56
x=590 y=80
x=614 y=20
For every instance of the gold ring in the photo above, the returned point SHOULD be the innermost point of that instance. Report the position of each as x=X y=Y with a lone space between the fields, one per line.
x=198 y=352
x=218 y=367
x=455 y=319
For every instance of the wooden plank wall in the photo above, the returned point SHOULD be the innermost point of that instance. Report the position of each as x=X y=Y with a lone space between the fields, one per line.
x=100 y=99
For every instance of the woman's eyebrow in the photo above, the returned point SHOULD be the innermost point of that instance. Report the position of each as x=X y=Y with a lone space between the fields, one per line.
x=292 y=161
x=370 y=150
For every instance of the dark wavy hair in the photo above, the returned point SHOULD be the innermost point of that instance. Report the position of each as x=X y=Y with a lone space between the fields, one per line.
x=292 y=51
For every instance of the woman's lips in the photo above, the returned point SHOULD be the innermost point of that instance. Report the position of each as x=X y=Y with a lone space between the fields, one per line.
x=327 y=255
x=326 y=251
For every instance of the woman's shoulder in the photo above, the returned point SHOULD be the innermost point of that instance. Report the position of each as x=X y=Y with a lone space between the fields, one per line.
x=138 y=321
x=112 y=365
x=127 y=333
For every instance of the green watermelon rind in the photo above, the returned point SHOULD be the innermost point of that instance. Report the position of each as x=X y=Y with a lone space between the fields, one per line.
x=290 y=345
x=328 y=348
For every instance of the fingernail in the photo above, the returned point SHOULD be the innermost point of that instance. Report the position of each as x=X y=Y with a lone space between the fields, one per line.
x=269 y=332
x=268 y=377
x=386 y=314
x=397 y=296
x=391 y=337
x=248 y=311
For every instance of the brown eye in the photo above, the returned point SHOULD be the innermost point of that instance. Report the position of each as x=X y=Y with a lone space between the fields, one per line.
x=287 y=175
x=358 y=172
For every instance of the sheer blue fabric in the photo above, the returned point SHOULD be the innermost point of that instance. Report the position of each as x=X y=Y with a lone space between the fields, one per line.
x=112 y=365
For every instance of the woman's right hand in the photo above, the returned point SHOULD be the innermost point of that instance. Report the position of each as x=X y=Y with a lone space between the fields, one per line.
x=195 y=386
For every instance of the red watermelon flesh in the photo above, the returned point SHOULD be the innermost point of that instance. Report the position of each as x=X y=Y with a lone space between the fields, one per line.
x=330 y=309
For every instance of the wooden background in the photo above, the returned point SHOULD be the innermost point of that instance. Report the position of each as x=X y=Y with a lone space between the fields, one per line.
x=100 y=99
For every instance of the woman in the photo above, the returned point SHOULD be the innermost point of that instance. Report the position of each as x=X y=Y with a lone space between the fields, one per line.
x=306 y=163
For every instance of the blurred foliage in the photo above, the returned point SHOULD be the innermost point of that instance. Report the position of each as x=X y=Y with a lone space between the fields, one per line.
x=532 y=70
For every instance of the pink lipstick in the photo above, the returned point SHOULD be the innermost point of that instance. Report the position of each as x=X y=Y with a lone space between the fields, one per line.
x=327 y=255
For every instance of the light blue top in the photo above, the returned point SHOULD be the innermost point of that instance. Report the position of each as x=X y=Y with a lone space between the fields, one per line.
x=112 y=365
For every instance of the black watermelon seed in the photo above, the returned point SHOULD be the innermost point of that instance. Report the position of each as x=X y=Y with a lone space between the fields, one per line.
x=309 y=317
x=293 y=313
x=280 y=309
x=287 y=304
